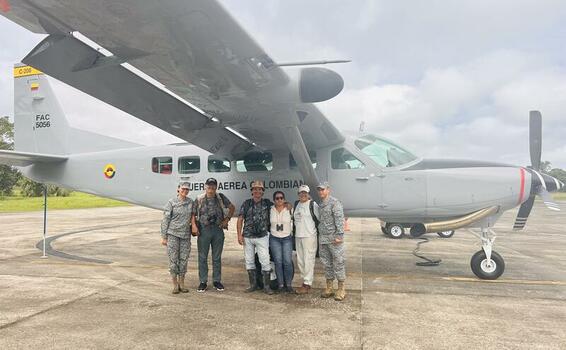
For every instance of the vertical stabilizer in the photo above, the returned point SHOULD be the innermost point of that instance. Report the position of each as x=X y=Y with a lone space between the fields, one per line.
x=39 y=123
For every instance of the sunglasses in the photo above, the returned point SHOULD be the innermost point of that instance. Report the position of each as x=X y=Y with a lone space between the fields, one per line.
x=276 y=198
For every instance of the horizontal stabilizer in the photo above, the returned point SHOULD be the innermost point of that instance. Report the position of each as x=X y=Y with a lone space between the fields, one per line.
x=14 y=158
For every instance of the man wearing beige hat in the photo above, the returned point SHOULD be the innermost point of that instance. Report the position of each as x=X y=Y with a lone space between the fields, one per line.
x=253 y=234
x=305 y=219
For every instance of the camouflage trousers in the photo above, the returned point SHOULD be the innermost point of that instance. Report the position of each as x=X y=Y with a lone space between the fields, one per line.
x=333 y=258
x=178 y=250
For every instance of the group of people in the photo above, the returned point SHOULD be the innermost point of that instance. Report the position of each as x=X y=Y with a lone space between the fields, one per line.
x=268 y=230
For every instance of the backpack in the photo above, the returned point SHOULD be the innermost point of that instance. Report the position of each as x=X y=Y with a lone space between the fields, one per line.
x=311 y=209
x=200 y=201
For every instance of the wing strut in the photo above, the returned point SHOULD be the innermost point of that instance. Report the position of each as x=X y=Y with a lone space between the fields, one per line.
x=297 y=147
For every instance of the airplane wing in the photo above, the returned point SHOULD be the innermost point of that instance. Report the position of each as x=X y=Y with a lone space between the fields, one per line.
x=14 y=158
x=208 y=78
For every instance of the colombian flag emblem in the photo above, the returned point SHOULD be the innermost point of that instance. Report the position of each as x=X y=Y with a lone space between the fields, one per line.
x=109 y=171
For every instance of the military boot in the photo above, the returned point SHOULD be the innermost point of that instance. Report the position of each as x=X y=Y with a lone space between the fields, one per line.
x=176 y=289
x=266 y=282
x=329 y=291
x=253 y=281
x=340 y=292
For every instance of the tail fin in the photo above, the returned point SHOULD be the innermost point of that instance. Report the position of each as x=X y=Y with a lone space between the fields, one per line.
x=40 y=126
x=39 y=123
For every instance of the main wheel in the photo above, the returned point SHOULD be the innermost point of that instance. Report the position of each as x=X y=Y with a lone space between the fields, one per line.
x=446 y=234
x=487 y=270
x=395 y=231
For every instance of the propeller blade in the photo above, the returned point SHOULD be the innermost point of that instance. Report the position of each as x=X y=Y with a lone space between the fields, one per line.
x=535 y=138
x=550 y=204
x=523 y=214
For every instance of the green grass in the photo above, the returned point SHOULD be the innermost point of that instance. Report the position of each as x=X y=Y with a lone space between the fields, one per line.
x=76 y=200
x=559 y=196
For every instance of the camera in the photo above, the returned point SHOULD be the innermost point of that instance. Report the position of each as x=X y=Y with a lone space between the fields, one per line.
x=279 y=227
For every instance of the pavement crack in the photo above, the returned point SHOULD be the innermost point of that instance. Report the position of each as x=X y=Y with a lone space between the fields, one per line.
x=59 y=306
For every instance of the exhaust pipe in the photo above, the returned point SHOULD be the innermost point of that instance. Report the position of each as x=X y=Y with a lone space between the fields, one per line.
x=453 y=224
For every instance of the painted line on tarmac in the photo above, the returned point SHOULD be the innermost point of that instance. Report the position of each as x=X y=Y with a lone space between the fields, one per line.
x=49 y=250
x=504 y=281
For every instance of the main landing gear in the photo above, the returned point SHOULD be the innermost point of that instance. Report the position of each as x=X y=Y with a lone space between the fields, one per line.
x=486 y=263
x=397 y=231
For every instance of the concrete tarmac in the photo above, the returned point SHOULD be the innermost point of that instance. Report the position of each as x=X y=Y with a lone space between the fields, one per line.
x=105 y=285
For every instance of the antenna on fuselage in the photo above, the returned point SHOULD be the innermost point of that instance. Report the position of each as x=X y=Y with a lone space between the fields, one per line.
x=362 y=126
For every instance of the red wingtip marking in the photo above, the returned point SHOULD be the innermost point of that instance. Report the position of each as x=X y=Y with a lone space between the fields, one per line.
x=5 y=5
x=522 y=190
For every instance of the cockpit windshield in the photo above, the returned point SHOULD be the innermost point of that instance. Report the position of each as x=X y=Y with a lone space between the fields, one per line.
x=383 y=152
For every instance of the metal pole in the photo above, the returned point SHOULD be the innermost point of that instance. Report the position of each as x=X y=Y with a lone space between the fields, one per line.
x=44 y=219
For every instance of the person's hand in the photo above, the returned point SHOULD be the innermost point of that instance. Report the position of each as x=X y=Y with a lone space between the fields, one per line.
x=163 y=241
x=240 y=239
x=337 y=241
x=224 y=223
x=195 y=233
x=289 y=206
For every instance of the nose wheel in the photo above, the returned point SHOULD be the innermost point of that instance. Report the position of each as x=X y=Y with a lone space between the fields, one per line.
x=486 y=263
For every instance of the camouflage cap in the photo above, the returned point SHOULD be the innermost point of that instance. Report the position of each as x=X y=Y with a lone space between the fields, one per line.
x=323 y=185
x=184 y=184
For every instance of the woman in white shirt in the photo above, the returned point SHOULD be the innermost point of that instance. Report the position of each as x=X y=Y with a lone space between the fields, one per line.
x=281 y=242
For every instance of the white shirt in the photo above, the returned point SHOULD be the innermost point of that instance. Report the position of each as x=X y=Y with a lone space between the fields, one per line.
x=280 y=218
x=304 y=224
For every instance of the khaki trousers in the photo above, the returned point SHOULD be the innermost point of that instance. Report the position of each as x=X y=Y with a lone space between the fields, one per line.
x=306 y=255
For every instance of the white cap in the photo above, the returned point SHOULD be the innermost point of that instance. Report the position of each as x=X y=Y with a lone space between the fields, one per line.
x=304 y=188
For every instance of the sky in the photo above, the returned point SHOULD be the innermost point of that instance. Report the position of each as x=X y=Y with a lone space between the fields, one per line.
x=444 y=79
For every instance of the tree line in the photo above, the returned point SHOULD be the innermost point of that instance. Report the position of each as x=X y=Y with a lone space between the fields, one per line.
x=11 y=178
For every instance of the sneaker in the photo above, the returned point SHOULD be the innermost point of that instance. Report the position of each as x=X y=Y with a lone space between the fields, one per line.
x=219 y=287
x=201 y=287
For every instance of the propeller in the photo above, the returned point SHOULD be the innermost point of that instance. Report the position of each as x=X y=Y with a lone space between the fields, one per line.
x=541 y=183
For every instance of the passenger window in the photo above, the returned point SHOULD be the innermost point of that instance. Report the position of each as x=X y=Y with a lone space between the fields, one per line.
x=341 y=158
x=216 y=165
x=255 y=162
x=293 y=164
x=189 y=165
x=162 y=165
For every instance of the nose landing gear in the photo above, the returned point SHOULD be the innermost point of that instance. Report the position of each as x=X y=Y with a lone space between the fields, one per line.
x=487 y=264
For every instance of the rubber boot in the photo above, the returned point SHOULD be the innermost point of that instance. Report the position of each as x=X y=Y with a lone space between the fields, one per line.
x=340 y=292
x=182 y=288
x=176 y=289
x=266 y=281
x=253 y=281
x=329 y=291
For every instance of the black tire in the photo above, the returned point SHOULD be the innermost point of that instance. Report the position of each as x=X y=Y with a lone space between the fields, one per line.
x=384 y=230
x=479 y=268
x=395 y=231
x=446 y=234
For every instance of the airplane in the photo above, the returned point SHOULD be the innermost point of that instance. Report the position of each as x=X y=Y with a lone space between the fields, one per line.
x=189 y=69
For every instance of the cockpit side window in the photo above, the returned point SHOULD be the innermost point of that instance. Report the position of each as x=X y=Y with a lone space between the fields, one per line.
x=341 y=158
x=384 y=153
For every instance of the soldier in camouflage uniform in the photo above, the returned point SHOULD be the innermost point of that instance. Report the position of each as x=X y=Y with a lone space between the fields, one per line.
x=175 y=234
x=332 y=255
